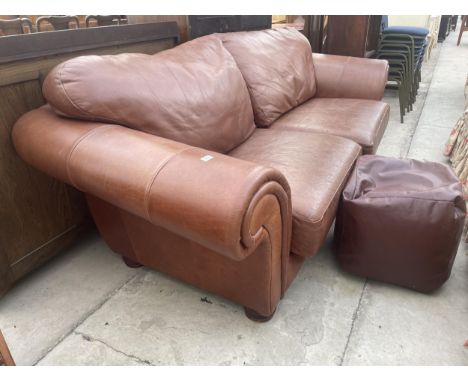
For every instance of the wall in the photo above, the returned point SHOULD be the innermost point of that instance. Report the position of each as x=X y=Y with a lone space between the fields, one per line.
x=409 y=20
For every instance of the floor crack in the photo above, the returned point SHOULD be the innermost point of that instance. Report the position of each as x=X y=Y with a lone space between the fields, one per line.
x=351 y=329
x=83 y=319
x=91 y=339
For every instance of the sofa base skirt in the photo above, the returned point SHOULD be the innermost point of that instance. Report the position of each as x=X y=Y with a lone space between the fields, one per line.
x=255 y=282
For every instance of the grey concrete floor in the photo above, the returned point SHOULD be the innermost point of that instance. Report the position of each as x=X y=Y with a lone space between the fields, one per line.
x=87 y=308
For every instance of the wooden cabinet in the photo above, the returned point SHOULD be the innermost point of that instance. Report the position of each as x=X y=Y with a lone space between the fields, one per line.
x=350 y=35
x=191 y=27
x=40 y=216
x=203 y=25
x=181 y=20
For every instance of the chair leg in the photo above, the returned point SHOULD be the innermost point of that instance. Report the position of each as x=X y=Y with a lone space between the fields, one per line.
x=131 y=263
x=254 y=316
x=462 y=28
x=402 y=102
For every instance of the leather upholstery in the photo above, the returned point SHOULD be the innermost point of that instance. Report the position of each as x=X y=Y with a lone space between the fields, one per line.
x=193 y=93
x=363 y=121
x=316 y=167
x=176 y=175
x=139 y=172
x=349 y=77
x=400 y=222
x=256 y=282
x=277 y=67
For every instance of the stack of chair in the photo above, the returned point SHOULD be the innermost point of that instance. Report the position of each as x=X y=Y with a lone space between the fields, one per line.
x=20 y=25
x=404 y=49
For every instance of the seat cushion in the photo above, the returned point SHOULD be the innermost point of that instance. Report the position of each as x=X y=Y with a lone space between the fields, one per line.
x=363 y=121
x=416 y=31
x=277 y=66
x=194 y=93
x=316 y=167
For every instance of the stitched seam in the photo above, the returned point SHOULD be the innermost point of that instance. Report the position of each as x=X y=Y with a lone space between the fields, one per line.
x=284 y=276
x=342 y=74
x=79 y=108
x=384 y=79
x=271 y=265
x=149 y=186
x=385 y=113
x=66 y=93
x=387 y=107
x=307 y=220
x=271 y=257
x=355 y=181
x=426 y=190
x=75 y=145
x=408 y=197
x=256 y=105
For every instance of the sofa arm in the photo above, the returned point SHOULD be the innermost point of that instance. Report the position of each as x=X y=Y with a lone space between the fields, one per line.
x=349 y=77
x=210 y=198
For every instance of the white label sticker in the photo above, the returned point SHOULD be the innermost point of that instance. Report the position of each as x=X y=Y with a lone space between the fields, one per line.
x=206 y=158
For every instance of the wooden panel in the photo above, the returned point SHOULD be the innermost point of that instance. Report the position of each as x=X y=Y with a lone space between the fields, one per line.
x=34 y=69
x=313 y=30
x=21 y=185
x=182 y=23
x=373 y=33
x=203 y=25
x=40 y=216
x=50 y=248
x=44 y=44
x=346 y=35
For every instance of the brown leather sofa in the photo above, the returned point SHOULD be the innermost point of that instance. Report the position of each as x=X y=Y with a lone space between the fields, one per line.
x=178 y=174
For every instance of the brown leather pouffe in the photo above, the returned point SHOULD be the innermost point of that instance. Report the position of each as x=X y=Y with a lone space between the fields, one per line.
x=400 y=221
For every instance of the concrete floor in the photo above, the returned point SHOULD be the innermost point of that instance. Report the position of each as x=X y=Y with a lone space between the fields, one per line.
x=87 y=308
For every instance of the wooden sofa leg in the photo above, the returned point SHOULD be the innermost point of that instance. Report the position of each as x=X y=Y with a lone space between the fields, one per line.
x=131 y=263
x=254 y=316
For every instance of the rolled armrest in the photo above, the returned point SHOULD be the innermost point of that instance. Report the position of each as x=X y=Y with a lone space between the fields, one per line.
x=349 y=77
x=207 y=197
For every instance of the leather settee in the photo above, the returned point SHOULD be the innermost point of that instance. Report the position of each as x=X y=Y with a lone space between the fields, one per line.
x=219 y=162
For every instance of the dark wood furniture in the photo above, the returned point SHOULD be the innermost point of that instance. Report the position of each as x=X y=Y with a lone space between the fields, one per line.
x=59 y=23
x=202 y=25
x=453 y=22
x=444 y=27
x=104 y=20
x=15 y=26
x=313 y=30
x=5 y=356
x=463 y=28
x=181 y=20
x=351 y=35
x=40 y=216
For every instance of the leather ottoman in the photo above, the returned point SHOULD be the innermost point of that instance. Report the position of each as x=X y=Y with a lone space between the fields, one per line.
x=400 y=221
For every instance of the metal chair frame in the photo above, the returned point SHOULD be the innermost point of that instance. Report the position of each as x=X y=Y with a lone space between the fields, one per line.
x=17 y=24
x=405 y=54
x=103 y=20
x=57 y=22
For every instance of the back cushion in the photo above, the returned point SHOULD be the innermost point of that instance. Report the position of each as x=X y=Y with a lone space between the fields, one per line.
x=193 y=93
x=277 y=66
